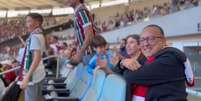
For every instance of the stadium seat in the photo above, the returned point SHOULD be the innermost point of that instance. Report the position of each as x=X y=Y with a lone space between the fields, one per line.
x=71 y=80
x=114 y=89
x=77 y=86
x=70 y=77
x=82 y=85
x=94 y=91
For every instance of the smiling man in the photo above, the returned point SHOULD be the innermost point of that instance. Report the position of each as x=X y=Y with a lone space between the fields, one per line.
x=163 y=73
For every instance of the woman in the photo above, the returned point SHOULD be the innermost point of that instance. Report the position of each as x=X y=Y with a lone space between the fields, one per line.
x=123 y=65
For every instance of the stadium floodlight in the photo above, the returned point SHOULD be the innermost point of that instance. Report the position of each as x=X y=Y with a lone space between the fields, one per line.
x=115 y=2
x=62 y=11
x=41 y=11
x=94 y=6
x=2 y=13
x=14 y=13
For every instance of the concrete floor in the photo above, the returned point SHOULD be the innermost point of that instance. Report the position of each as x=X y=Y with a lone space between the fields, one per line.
x=193 y=98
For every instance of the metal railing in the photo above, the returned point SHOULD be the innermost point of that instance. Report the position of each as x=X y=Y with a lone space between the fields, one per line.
x=58 y=60
x=46 y=58
x=10 y=70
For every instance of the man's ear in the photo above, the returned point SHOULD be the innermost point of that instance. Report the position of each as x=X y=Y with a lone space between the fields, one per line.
x=164 y=43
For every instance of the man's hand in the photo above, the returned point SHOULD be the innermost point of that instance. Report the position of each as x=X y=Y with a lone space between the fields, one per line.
x=102 y=63
x=24 y=83
x=131 y=64
x=114 y=60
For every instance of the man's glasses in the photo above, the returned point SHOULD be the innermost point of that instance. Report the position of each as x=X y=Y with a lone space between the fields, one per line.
x=150 y=40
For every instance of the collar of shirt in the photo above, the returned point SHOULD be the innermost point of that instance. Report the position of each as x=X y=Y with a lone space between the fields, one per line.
x=37 y=30
x=77 y=7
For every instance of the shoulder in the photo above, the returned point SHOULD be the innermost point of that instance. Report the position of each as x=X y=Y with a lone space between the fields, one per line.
x=82 y=11
x=173 y=52
x=38 y=35
x=94 y=58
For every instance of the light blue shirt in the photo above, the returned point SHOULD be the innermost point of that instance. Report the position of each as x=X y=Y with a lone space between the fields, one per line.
x=93 y=62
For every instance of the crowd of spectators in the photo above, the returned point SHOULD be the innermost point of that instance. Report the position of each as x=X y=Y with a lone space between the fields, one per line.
x=9 y=77
x=10 y=28
x=8 y=53
x=133 y=16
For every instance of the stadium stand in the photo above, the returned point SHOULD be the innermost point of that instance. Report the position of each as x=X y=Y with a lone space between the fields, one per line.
x=67 y=84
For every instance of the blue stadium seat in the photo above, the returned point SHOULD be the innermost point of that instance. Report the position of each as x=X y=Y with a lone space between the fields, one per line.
x=94 y=91
x=114 y=89
x=82 y=85
x=72 y=80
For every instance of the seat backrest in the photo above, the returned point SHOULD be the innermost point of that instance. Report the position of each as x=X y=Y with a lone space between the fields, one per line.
x=73 y=77
x=114 y=89
x=82 y=85
x=64 y=70
x=95 y=89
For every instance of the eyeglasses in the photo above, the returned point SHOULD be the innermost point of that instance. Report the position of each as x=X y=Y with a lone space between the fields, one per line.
x=150 y=40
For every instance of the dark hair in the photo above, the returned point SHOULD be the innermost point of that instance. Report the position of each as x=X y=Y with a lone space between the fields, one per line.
x=65 y=44
x=134 y=36
x=124 y=39
x=82 y=1
x=157 y=26
x=98 y=41
x=55 y=37
x=36 y=17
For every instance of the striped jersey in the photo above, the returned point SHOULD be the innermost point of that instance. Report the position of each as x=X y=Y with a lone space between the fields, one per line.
x=82 y=19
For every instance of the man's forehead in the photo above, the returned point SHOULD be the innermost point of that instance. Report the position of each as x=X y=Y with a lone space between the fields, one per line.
x=151 y=31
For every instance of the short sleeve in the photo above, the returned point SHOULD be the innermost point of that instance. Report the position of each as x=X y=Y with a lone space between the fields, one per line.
x=92 y=64
x=35 y=43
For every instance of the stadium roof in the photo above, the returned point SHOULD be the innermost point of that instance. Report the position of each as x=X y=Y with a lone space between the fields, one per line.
x=35 y=4
x=12 y=8
x=29 y=4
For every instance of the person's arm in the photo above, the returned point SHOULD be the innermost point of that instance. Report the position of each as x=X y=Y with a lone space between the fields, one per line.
x=36 y=60
x=117 y=69
x=88 y=31
x=104 y=65
x=164 y=69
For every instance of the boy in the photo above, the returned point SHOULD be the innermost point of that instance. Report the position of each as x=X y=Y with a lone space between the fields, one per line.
x=102 y=54
x=32 y=70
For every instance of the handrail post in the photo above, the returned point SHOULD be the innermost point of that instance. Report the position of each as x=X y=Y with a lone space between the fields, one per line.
x=57 y=72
